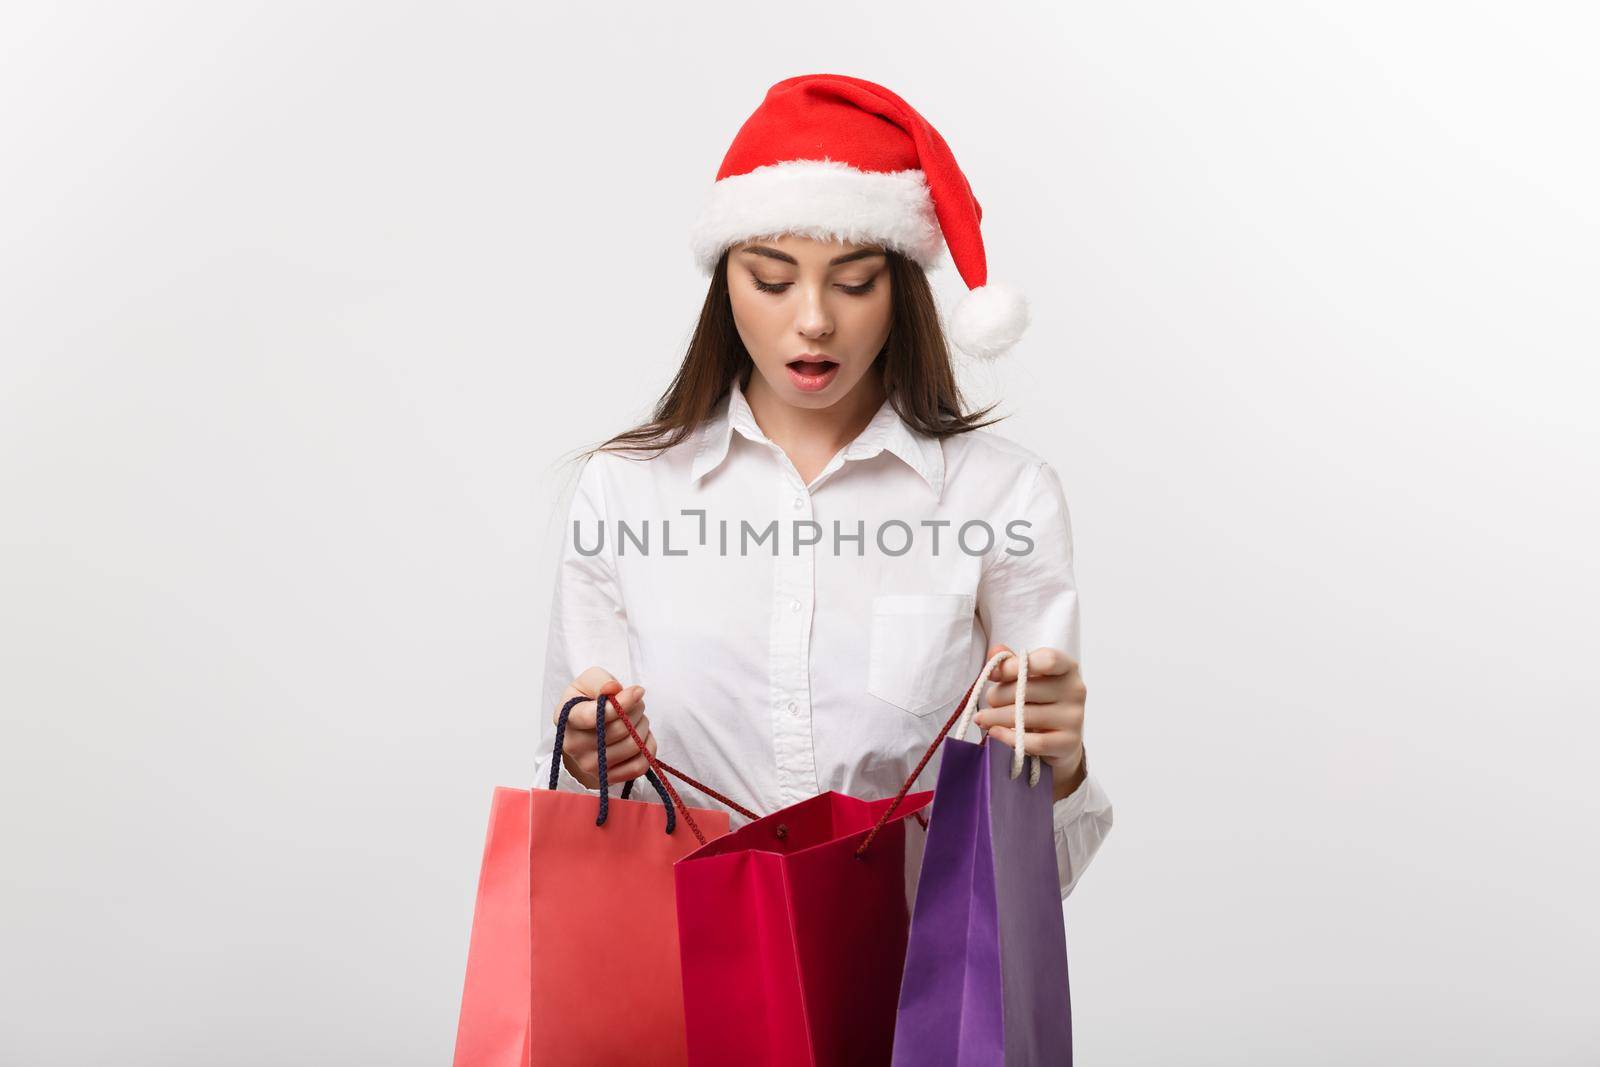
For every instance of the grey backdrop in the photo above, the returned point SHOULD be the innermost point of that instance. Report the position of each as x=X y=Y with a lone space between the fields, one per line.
x=300 y=304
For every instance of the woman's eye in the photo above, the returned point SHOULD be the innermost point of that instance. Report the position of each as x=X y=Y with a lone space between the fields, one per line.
x=778 y=287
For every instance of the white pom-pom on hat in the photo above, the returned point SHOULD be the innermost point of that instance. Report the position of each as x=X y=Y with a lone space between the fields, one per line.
x=989 y=320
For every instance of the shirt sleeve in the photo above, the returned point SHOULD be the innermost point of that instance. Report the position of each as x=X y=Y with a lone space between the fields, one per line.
x=1028 y=598
x=588 y=620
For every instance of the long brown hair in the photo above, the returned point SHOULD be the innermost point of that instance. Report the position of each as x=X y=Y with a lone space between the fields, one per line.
x=915 y=365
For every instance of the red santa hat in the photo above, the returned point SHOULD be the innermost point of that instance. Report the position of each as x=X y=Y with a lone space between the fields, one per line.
x=840 y=158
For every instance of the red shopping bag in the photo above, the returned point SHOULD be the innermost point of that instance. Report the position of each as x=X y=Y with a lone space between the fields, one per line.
x=558 y=867
x=793 y=938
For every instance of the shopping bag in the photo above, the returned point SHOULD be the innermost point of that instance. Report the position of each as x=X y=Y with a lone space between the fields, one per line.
x=985 y=982
x=563 y=872
x=493 y=1027
x=793 y=936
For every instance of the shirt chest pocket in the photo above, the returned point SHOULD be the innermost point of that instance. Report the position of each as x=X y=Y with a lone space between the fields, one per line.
x=920 y=648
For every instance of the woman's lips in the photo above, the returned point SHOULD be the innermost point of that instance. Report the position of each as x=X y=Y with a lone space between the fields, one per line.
x=812 y=377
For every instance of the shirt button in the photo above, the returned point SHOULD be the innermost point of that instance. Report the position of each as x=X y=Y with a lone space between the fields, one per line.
x=794 y=709
x=799 y=502
x=794 y=605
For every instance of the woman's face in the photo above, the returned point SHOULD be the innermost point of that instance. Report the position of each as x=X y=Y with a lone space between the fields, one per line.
x=812 y=314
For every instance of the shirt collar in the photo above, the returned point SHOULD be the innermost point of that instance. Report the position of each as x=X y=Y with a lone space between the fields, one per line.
x=886 y=432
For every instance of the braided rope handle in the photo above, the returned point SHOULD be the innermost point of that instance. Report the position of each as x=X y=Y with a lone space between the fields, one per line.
x=662 y=769
x=600 y=756
x=1017 y=756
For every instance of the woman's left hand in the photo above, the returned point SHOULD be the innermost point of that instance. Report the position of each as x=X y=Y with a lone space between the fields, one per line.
x=1053 y=721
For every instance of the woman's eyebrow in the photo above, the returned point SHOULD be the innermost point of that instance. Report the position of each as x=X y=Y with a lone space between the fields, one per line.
x=848 y=257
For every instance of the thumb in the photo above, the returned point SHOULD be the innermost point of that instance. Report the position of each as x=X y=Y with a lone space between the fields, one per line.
x=615 y=697
x=596 y=680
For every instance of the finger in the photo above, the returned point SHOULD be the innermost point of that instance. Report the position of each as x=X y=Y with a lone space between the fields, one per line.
x=627 y=700
x=619 y=743
x=1056 y=716
x=620 y=753
x=591 y=683
x=629 y=770
x=583 y=715
x=1067 y=688
x=616 y=731
x=1040 y=691
x=1052 y=744
x=1042 y=663
x=1050 y=662
x=583 y=741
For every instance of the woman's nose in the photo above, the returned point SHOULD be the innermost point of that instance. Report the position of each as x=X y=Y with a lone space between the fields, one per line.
x=814 y=320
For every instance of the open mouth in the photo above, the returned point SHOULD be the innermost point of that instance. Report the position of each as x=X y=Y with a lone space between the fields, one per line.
x=812 y=368
x=812 y=375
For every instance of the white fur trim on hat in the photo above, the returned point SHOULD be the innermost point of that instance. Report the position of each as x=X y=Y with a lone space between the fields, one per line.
x=989 y=320
x=825 y=199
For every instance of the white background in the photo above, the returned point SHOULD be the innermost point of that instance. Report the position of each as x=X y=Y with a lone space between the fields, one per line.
x=302 y=304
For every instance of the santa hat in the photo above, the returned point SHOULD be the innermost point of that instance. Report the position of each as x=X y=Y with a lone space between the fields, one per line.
x=834 y=157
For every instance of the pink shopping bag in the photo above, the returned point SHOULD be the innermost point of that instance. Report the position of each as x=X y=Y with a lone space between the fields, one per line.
x=557 y=867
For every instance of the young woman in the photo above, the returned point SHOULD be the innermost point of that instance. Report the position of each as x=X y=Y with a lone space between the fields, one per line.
x=808 y=553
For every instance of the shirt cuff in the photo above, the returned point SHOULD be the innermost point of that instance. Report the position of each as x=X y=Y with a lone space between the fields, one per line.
x=565 y=780
x=1082 y=819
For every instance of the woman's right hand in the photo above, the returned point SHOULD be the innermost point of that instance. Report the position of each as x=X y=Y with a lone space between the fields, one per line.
x=579 y=748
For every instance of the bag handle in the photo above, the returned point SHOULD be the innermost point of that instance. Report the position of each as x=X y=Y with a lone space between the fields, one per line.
x=600 y=753
x=660 y=769
x=964 y=710
x=657 y=774
x=962 y=727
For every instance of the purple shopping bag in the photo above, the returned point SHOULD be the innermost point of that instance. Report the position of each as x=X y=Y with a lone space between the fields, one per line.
x=985 y=979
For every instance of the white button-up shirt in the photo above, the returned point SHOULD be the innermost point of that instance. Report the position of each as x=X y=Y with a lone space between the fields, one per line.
x=795 y=638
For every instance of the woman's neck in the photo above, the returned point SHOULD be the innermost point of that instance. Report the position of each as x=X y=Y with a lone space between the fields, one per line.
x=810 y=437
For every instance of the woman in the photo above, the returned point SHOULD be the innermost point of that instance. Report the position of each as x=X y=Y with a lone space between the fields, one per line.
x=811 y=549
